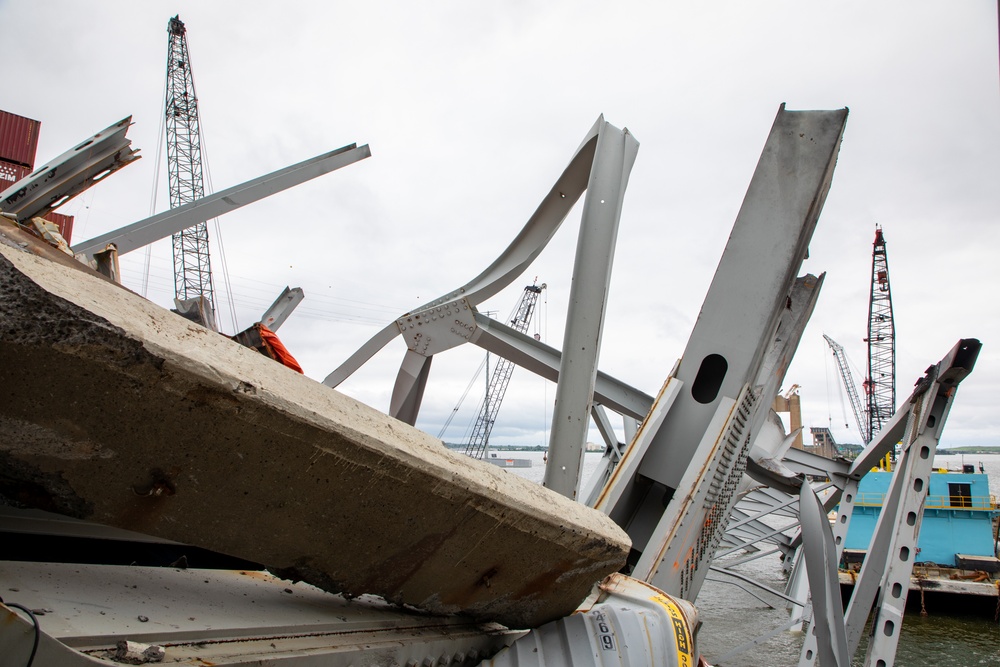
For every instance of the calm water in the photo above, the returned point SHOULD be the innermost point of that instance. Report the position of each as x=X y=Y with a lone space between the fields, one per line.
x=732 y=616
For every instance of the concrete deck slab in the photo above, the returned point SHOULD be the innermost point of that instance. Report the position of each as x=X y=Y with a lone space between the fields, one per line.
x=120 y=412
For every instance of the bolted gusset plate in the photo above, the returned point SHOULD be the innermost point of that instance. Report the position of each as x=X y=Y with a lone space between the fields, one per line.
x=438 y=328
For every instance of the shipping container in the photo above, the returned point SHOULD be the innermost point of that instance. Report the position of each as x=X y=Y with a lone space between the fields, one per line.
x=18 y=139
x=65 y=223
x=11 y=173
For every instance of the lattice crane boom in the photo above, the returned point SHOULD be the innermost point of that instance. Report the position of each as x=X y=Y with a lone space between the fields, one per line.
x=500 y=378
x=192 y=263
x=880 y=383
x=852 y=392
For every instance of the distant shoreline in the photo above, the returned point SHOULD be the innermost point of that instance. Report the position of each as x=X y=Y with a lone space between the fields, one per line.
x=968 y=450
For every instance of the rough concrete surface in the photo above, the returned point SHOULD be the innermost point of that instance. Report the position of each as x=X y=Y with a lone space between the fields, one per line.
x=120 y=412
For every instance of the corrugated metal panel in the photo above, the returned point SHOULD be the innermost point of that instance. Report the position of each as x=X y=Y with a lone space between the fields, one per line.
x=18 y=139
x=65 y=223
x=11 y=173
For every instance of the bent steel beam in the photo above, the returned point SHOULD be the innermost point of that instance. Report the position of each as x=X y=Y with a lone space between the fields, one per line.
x=595 y=249
x=287 y=301
x=821 y=570
x=896 y=535
x=452 y=319
x=543 y=360
x=885 y=574
x=530 y=241
x=142 y=233
x=799 y=306
x=71 y=173
x=739 y=319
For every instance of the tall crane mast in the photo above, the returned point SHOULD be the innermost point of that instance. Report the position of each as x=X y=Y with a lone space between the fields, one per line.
x=880 y=384
x=192 y=264
x=852 y=393
x=500 y=378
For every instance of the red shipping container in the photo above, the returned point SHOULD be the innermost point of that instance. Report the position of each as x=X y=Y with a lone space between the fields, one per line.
x=11 y=173
x=18 y=139
x=65 y=223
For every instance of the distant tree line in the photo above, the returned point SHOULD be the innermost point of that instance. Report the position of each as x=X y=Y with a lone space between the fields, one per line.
x=502 y=448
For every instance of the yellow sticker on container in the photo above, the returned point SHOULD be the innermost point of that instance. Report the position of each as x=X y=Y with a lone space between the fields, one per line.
x=682 y=638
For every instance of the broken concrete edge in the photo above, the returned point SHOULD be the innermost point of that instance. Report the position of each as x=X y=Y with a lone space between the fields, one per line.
x=12 y=235
x=330 y=409
x=256 y=378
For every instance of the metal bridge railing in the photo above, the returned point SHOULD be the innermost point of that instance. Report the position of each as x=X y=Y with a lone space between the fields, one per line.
x=936 y=502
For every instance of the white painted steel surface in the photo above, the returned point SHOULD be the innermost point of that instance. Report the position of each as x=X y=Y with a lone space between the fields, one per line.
x=142 y=233
x=223 y=617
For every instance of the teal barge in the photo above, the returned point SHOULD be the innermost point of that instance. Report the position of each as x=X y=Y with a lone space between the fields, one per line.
x=958 y=546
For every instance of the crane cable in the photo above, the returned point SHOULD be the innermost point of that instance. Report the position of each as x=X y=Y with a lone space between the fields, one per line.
x=215 y=221
x=840 y=390
x=160 y=141
x=461 y=400
x=454 y=410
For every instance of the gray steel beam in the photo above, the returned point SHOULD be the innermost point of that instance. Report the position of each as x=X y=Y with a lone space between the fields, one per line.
x=66 y=176
x=447 y=321
x=595 y=247
x=689 y=529
x=287 y=301
x=881 y=444
x=755 y=555
x=606 y=497
x=808 y=463
x=791 y=502
x=543 y=360
x=743 y=577
x=773 y=533
x=891 y=433
x=803 y=293
x=749 y=293
x=142 y=233
x=408 y=391
x=511 y=263
x=605 y=428
x=798 y=588
x=821 y=570
x=889 y=560
x=912 y=479
x=747 y=302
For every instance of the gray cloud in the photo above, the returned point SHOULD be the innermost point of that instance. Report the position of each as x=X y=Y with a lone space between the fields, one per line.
x=472 y=110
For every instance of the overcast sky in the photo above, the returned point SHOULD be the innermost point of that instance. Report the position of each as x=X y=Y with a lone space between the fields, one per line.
x=472 y=110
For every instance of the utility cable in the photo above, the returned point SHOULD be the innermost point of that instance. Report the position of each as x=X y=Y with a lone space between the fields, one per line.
x=34 y=621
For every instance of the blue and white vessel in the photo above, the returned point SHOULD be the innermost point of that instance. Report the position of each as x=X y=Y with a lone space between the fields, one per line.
x=957 y=550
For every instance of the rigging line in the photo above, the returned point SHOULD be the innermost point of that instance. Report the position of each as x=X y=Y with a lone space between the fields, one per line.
x=224 y=265
x=545 y=384
x=840 y=393
x=454 y=410
x=225 y=275
x=826 y=374
x=249 y=296
x=318 y=296
x=215 y=221
x=480 y=398
x=160 y=141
